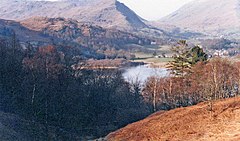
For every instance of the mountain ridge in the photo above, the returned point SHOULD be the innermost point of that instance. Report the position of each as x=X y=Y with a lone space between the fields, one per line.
x=107 y=13
x=214 y=17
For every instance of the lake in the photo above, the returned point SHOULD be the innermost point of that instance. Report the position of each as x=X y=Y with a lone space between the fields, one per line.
x=143 y=72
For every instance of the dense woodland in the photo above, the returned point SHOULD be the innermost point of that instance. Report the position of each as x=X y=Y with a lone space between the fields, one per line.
x=41 y=85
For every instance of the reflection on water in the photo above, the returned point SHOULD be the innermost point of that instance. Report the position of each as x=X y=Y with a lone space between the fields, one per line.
x=143 y=72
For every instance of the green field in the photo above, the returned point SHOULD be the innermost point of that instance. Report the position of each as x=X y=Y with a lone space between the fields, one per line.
x=148 y=56
x=153 y=60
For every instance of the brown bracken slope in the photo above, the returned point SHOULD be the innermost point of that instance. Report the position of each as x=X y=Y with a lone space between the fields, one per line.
x=195 y=123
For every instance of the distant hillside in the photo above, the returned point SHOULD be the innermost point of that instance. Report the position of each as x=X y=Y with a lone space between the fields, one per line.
x=27 y=37
x=91 y=40
x=8 y=27
x=85 y=34
x=193 y=123
x=214 y=17
x=105 y=13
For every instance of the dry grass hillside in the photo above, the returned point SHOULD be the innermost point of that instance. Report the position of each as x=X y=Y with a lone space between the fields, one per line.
x=195 y=123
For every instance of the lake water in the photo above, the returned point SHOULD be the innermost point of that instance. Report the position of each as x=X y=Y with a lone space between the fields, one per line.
x=143 y=72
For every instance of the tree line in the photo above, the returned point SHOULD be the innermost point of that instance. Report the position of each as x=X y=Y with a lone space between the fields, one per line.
x=41 y=85
x=194 y=78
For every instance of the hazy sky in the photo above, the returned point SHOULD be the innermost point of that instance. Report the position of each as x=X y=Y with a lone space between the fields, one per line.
x=154 y=9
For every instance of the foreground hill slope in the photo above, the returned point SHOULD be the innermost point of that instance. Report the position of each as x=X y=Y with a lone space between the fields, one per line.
x=105 y=13
x=16 y=128
x=190 y=123
x=217 y=17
